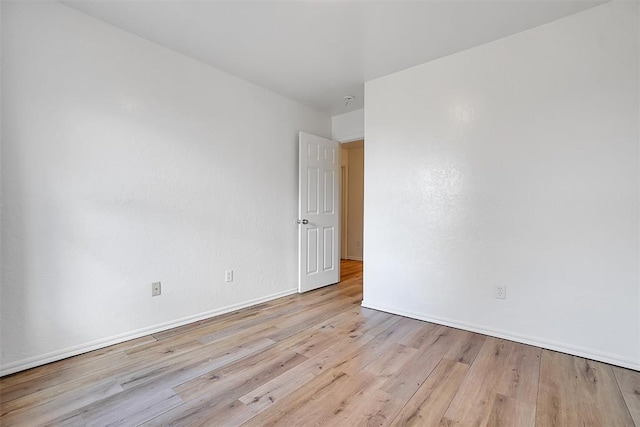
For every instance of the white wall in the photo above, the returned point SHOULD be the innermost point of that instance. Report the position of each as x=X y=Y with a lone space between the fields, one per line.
x=125 y=163
x=348 y=126
x=513 y=163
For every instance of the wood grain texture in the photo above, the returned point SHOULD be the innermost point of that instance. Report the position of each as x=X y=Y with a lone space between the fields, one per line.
x=472 y=404
x=427 y=406
x=320 y=359
x=629 y=382
x=508 y=412
x=520 y=379
x=577 y=391
x=466 y=349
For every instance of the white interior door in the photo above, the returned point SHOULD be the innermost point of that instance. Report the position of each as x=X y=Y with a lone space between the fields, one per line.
x=318 y=213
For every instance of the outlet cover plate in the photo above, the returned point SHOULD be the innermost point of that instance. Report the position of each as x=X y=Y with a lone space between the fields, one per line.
x=500 y=291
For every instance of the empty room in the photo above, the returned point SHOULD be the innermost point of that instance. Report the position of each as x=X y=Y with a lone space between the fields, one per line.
x=301 y=213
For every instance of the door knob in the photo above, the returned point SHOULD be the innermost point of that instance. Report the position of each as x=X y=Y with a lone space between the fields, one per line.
x=303 y=221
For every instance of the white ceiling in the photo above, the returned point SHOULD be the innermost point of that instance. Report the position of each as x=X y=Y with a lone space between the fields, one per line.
x=316 y=52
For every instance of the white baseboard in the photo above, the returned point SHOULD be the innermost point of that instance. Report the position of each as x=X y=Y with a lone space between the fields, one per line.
x=32 y=362
x=353 y=258
x=524 y=339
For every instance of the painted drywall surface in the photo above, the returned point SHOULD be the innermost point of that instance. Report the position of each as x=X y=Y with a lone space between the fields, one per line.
x=348 y=126
x=514 y=163
x=356 y=203
x=125 y=163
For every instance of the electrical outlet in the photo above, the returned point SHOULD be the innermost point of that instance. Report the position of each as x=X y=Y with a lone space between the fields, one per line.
x=228 y=276
x=156 y=289
x=500 y=291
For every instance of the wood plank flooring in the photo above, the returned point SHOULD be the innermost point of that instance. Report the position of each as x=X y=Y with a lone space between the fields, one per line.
x=321 y=359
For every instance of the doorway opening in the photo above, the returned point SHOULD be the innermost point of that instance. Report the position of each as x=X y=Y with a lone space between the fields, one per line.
x=352 y=211
x=327 y=236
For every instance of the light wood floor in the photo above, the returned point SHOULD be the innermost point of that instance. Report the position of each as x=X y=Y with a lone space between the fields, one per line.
x=321 y=359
